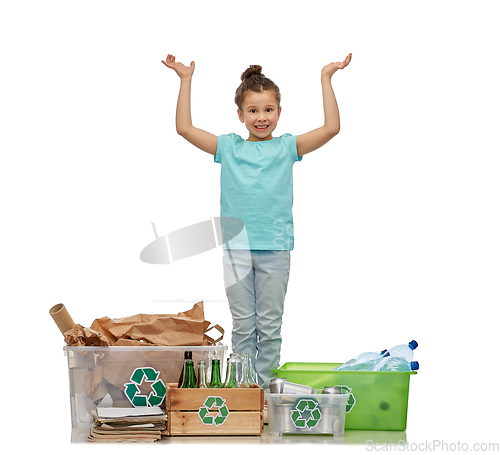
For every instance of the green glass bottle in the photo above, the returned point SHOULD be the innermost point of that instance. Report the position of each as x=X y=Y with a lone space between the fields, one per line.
x=187 y=355
x=232 y=375
x=216 y=381
x=189 y=379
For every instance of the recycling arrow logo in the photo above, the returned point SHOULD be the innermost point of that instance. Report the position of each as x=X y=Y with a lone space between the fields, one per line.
x=305 y=413
x=213 y=402
x=351 y=401
x=140 y=375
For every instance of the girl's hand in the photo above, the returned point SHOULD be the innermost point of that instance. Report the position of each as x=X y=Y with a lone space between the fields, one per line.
x=181 y=70
x=328 y=70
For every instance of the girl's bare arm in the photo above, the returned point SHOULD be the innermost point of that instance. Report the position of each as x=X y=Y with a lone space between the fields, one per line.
x=316 y=138
x=199 y=138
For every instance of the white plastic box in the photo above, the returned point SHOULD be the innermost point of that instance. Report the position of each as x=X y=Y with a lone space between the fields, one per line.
x=123 y=376
x=306 y=414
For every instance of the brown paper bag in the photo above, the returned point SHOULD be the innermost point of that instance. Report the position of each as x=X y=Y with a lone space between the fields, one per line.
x=187 y=328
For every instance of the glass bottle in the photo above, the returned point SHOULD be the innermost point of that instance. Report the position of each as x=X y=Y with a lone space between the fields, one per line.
x=250 y=369
x=215 y=380
x=243 y=371
x=202 y=375
x=188 y=355
x=189 y=381
x=232 y=372
x=207 y=357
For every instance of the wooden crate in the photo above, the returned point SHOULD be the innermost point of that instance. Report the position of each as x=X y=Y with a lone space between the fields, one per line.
x=214 y=411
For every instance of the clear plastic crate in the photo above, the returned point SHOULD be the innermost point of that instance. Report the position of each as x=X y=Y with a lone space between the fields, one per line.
x=123 y=376
x=306 y=414
x=379 y=399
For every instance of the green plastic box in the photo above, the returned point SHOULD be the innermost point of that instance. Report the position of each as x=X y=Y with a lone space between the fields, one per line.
x=379 y=399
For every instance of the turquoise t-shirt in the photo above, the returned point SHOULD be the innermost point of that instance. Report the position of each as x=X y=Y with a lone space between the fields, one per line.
x=257 y=188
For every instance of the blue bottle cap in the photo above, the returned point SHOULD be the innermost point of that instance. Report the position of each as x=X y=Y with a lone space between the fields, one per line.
x=413 y=344
x=385 y=353
x=414 y=366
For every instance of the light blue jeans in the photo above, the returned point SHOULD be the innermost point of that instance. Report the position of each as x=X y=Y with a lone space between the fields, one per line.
x=256 y=283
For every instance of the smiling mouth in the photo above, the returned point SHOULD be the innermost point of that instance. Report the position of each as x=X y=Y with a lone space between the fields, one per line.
x=261 y=127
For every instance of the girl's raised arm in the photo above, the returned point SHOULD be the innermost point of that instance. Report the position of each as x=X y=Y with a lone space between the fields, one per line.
x=199 y=138
x=315 y=139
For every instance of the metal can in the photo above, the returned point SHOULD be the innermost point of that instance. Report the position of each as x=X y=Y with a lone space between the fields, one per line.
x=284 y=421
x=332 y=390
x=276 y=385
x=325 y=425
x=291 y=387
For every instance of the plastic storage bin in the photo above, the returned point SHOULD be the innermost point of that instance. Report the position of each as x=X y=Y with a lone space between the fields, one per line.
x=378 y=400
x=123 y=376
x=306 y=414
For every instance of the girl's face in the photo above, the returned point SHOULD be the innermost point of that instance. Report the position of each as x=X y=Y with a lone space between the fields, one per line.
x=260 y=114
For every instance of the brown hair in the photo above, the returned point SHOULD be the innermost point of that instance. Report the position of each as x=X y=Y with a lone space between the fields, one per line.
x=254 y=81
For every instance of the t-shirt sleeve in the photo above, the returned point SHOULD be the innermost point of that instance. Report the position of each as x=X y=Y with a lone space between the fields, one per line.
x=291 y=144
x=223 y=143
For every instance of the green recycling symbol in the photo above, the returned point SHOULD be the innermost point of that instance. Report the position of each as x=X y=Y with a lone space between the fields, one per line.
x=305 y=413
x=351 y=401
x=132 y=390
x=204 y=412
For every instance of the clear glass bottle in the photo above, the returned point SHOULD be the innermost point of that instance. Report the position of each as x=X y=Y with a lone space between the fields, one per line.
x=207 y=357
x=202 y=375
x=215 y=381
x=251 y=372
x=245 y=379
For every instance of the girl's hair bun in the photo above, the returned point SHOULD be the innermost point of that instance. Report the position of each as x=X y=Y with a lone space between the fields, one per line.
x=254 y=81
x=253 y=70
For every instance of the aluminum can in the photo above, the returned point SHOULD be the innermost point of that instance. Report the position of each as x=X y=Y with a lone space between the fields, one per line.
x=284 y=421
x=291 y=387
x=332 y=390
x=276 y=385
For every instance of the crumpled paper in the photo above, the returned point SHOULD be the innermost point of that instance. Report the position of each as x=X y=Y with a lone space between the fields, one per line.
x=83 y=336
x=188 y=328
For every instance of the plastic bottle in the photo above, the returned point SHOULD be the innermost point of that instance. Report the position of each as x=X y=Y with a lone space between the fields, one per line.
x=362 y=358
x=396 y=364
x=369 y=365
x=405 y=351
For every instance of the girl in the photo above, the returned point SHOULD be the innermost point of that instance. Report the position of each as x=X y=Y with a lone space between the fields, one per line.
x=256 y=188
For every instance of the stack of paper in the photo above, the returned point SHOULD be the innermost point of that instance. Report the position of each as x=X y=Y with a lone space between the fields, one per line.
x=128 y=424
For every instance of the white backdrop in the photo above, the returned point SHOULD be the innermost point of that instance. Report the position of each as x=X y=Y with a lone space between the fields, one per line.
x=396 y=219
